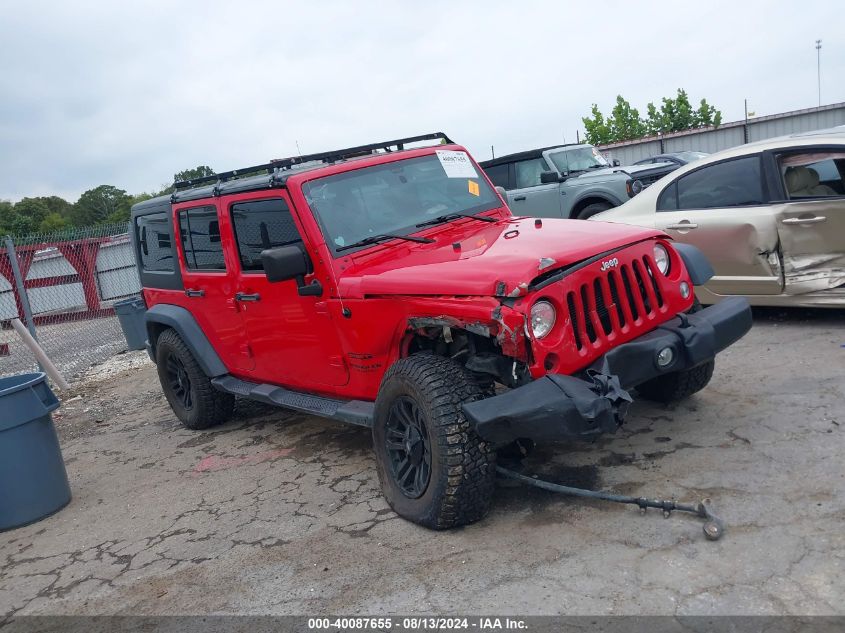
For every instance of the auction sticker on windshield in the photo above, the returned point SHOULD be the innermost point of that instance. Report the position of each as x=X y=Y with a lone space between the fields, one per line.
x=456 y=164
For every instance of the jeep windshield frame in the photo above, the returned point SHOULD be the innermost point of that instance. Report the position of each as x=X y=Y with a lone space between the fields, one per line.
x=392 y=198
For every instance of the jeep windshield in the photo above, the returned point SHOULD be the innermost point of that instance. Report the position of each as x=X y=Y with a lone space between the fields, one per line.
x=395 y=198
x=579 y=159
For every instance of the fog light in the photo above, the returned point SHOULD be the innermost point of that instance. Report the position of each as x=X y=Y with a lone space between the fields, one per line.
x=665 y=357
x=684 y=289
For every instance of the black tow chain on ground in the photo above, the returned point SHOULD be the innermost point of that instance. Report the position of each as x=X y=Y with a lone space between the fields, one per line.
x=714 y=527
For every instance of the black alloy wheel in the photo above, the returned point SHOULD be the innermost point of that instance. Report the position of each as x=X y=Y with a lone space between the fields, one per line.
x=179 y=382
x=407 y=444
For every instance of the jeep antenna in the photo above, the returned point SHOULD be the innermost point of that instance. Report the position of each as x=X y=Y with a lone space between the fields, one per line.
x=298 y=151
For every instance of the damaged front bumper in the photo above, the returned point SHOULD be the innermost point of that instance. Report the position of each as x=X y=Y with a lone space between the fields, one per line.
x=559 y=407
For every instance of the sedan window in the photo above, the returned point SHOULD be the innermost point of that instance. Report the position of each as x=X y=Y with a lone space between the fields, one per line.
x=813 y=175
x=732 y=183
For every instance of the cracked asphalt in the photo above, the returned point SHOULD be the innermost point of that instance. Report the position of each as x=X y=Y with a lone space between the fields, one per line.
x=279 y=513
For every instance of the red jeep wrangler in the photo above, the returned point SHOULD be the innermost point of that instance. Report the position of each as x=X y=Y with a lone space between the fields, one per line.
x=391 y=287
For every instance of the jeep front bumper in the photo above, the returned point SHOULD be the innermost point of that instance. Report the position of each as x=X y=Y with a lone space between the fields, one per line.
x=558 y=407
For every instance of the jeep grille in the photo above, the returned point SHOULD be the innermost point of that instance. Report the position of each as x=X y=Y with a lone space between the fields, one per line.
x=613 y=300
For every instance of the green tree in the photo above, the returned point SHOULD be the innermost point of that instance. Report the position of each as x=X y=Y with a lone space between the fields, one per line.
x=52 y=223
x=30 y=213
x=678 y=114
x=7 y=214
x=98 y=205
x=197 y=172
x=625 y=123
x=57 y=205
x=707 y=115
x=200 y=171
x=598 y=131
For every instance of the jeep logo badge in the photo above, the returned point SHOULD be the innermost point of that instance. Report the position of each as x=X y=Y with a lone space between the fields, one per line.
x=609 y=263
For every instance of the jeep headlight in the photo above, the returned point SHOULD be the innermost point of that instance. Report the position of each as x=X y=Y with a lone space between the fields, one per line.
x=542 y=318
x=661 y=258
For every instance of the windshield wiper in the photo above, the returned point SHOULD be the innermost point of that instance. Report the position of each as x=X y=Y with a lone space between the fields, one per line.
x=375 y=239
x=440 y=219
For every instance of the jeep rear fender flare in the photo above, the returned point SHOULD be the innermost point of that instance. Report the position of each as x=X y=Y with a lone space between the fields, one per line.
x=191 y=333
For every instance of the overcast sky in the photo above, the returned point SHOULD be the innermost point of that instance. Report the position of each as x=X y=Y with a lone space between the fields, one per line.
x=100 y=93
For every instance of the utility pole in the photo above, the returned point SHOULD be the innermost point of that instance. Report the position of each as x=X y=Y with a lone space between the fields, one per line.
x=745 y=125
x=819 y=68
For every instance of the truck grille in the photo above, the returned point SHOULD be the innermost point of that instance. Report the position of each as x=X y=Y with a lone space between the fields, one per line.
x=613 y=302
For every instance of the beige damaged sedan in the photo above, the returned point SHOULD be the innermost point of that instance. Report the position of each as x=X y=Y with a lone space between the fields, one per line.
x=769 y=215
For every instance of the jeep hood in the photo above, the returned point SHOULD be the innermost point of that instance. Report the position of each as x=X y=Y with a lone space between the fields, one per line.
x=470 y=258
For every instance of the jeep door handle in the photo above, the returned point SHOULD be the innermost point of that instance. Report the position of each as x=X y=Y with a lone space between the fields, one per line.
x=519 y=199
x=682 y=226
x=193 y=292
x=813 y=220
x=241 y=296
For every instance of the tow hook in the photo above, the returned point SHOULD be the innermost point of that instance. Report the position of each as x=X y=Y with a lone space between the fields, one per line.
x=713 y=527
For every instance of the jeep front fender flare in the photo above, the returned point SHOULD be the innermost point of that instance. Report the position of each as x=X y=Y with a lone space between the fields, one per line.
x=189 y=330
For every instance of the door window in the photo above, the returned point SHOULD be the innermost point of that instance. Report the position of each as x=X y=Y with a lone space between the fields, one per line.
x=528 y=172
x=733 y=183
x=199 y=232
x=815 y=174
x=262 y=224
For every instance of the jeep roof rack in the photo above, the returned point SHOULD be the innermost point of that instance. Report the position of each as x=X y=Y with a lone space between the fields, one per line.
x=324 y=157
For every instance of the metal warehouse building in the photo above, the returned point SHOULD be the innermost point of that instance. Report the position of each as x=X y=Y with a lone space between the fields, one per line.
x=728 y=134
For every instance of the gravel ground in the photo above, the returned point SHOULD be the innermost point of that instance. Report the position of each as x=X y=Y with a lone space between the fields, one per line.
x=73 y=346
x=278 y=513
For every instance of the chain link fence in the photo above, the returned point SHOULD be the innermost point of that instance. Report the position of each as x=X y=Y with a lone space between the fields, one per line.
x=71 y=280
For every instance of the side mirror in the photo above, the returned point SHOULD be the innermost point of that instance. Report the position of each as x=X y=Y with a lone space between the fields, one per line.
x=501 y=191
x=290 y=262
x=550 y=176
x=616 y=162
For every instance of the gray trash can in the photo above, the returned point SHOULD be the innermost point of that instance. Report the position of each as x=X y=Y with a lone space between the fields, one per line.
x=33 y=480
x=130 y=313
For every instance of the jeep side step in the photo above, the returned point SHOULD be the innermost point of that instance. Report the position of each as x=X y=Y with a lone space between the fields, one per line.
x=356 y=412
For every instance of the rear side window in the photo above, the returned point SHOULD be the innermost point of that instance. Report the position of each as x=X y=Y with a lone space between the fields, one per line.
x=668 y=200
x=262 y=224
x=733 y=183
x=154 y=243
x=199 y=232
x=498 y=174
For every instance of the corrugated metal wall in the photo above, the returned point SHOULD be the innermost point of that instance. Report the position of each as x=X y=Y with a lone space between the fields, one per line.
x=730 y=134
x=116 y=278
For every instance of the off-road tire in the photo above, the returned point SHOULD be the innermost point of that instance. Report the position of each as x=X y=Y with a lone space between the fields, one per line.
x=592 y=209
x=680 y=384
x=462 y=471
x=208 y=406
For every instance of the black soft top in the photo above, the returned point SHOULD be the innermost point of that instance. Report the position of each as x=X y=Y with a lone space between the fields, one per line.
x=526 y=155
